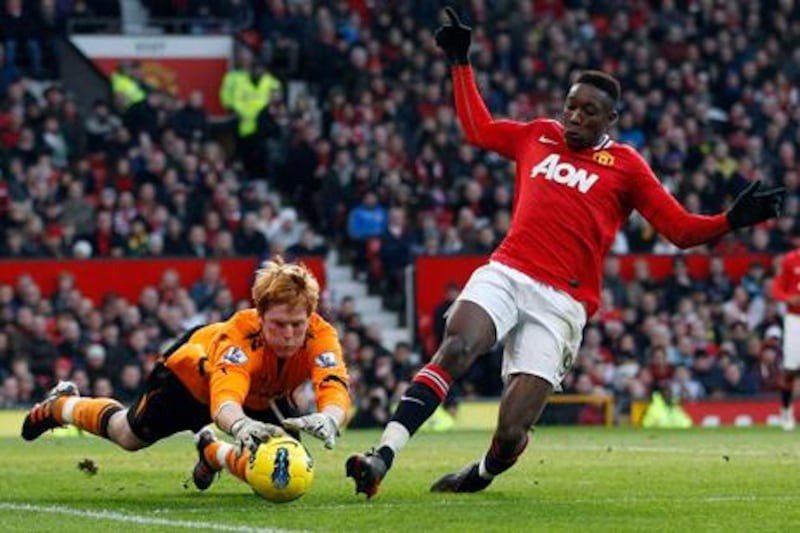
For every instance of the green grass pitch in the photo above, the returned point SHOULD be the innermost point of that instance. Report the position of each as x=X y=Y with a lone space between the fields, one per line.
x=570 y=479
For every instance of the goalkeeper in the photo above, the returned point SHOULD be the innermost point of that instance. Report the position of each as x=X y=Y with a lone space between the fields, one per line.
x=240 y=374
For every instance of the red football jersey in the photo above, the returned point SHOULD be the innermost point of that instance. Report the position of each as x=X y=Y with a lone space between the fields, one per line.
x=568 y=204
x=787 y=282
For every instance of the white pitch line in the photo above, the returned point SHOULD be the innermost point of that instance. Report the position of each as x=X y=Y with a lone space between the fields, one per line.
x=135 y=519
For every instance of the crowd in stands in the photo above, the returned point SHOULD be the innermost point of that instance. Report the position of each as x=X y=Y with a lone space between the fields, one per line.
x=29 y=29
x=365 y=155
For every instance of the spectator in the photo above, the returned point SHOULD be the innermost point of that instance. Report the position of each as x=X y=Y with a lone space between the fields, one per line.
x=309 y=244
x=22 y=31
x=395 y=255
x=10 y=393
x=101 y=126
x=683 y=387
x=190 y=121
x=130 y=383
x=249 y=240
x=204 y=290
x=736 y=383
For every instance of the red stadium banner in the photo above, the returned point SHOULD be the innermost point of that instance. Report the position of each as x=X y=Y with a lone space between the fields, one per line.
x=177 y=64
x=750 y=412
x=127 y=277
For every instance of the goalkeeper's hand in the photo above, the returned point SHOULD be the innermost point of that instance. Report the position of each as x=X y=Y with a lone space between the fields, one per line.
x=753 y=205
x=454 y=38
x=320 y=425
x=250 y=433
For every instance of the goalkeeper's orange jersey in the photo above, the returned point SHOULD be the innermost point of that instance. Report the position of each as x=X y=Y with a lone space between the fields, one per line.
x=228 y=361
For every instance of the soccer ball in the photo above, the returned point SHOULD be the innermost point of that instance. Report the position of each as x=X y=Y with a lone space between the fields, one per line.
x=280 y=470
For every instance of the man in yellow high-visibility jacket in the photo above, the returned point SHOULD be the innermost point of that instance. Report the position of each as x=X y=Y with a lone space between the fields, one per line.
x=125 y=86
x=241 y=69
x=250 y=95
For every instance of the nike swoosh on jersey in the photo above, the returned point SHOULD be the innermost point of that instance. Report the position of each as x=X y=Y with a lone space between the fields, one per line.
x=546 y=140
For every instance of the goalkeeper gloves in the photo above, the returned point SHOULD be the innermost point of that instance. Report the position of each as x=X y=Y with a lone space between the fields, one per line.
x=753 y=205
x=454 y=38
x=250 y=433
x=320 y=425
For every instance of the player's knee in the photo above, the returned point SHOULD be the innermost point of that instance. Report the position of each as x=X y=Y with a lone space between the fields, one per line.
x=119 y=431
x=130 y=443
x=453 y=354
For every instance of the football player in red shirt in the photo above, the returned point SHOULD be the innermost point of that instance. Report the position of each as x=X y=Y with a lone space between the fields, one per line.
x=786 y=288
x=575 y=187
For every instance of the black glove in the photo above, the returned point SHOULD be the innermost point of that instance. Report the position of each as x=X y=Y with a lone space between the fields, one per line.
x=454 y=38
x=753 y=206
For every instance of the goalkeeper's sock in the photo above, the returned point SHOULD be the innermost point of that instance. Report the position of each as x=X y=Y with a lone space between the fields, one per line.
x=88 y=414
x=216 y=454
x=226 y=455
x=500 y=458
x=420 y=400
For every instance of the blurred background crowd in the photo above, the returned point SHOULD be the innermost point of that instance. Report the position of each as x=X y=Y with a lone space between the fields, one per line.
x=354 y=146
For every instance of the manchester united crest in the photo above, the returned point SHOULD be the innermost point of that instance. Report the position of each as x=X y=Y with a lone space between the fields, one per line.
x=604 y=158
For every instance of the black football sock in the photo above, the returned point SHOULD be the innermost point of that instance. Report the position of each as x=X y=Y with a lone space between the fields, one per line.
x=500 y=458
x=422 y=397
x=417 y=404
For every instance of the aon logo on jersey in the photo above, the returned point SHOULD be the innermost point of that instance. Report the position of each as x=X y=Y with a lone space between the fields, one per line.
x=565 y=173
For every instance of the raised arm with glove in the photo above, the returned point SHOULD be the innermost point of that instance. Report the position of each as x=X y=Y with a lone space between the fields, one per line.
x=454 y=38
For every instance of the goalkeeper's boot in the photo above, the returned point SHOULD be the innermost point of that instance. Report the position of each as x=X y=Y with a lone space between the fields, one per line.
x=465 y=480
x=42 y=417
x=204 y=473
x=367 y=470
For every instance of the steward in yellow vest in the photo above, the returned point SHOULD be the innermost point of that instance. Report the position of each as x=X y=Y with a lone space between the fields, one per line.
x=123 y=82
x=250 y=94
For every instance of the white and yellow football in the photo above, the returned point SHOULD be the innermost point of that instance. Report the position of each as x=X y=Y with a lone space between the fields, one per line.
x=281 y=470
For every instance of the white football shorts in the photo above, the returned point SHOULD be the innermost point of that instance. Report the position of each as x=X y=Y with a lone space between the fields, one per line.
x=791 y=341
x=542 y=326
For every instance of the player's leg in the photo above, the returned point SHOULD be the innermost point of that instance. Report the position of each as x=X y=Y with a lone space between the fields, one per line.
x=523 y=401
x=216 y=455
x=537 y=354
x=104 y=417
x=63 y=406
x=165 y=407
x=469 y=333
x=483 y=314
x=787 y=399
